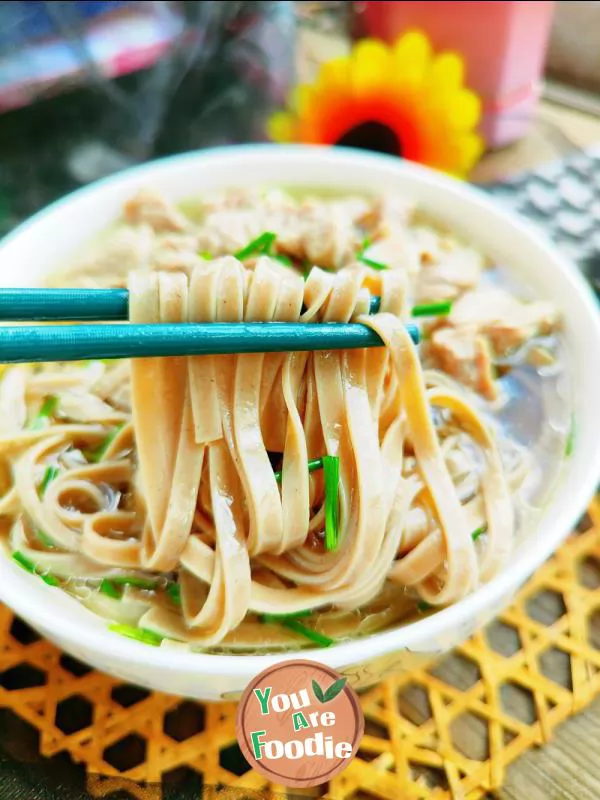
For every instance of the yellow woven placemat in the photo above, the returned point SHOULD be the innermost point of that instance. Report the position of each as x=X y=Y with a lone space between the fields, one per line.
x=445 y=731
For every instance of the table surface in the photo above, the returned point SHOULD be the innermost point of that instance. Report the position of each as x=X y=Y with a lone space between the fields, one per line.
x=568 y=768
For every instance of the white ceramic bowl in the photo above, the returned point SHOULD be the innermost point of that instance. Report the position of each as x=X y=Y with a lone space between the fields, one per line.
x=44 y=242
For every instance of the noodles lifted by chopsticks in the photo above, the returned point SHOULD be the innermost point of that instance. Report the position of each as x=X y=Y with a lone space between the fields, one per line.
x=198 y=497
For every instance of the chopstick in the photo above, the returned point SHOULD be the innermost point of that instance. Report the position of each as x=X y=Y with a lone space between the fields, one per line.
x=39 y=343
x=72 y=305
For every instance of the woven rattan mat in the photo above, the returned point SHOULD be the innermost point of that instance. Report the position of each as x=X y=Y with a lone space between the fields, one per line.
x=445 y=731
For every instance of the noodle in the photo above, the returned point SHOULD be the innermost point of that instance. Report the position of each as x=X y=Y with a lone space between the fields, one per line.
x=192 y=473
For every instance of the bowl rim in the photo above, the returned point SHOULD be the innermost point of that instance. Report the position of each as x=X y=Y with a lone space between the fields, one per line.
x=175 y=661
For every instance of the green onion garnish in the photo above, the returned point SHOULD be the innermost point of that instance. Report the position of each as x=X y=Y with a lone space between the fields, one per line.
x=478 y=531
x=313 y=464
x=139 y=634
x=46 y=411
x=108 y=588
x=331 y=472
x=133 y=580
x=206 y=256
x=371 y=263
x=360 y=256
x=284 y=617
x=262 y=245
x=308 y=633
x=98 y=454
x=432 y=309
x=45 y=539
x=174 y=593
x=287 y=262
x=423 y=606
x=291 y=621
x=570 y=443
x=49 y=475
x=29 y=566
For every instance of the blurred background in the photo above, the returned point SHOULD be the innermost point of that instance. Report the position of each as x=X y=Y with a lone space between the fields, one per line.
x=87 y=88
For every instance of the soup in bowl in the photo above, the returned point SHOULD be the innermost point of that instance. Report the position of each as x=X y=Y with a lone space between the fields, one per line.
x=187 y=521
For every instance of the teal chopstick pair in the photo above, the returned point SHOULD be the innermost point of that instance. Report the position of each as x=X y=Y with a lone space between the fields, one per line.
x=39 y=343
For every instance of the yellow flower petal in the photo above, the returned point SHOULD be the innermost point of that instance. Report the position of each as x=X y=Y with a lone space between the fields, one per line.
x=447 y=72
x=370 y=66
x=281 y=127
x=334 y=75
x=464 y=109
x=411 y=56
x=471 y=149
x=301 y=98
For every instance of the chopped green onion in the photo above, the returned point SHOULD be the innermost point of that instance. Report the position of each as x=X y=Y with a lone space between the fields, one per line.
x=291 y=621
x=284 y=617
x=331 y=472
x=570 y=443
x=29 y=566
x=98 y=454
x=49 y=475
x=139 y=634
x=47 y=410
x=206 y=256
x=109 y=589
x=423 y=606
x=313 y=464
x=45 y=539
x=133 y=580
x=174 y=593
x=371 y=263
x=478 y=531
x=314 y=636
x=262 y=245
x=287 y=262
x=432 y=309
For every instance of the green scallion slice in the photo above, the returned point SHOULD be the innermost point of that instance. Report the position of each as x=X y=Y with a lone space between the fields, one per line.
x=308 y=633
x=313 y=464
x=291 y=621
x=206 y=256
x=45 y=539
x=287 y=262
x=108 y=588
x=284 y=617
x=98 y=454
x=432 y=309
x=49 y=475
x=133 y=580
x=262 y=245
x=46 y=411
x=423 y=606
x=29 y=566
x=174 y=593
x=371 y=262
x=331 y=473
x=139 y=634
x=570 y=443
x=478 y=531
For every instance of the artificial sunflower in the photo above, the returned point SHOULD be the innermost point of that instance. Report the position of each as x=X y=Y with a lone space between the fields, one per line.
x=401 y=99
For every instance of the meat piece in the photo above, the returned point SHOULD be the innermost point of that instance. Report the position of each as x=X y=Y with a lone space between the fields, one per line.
x=390 y=213
x=153 y=209
x=396 y=251
x=447 y=273
x=329 y=236
x=466 y=356
x=505 y=320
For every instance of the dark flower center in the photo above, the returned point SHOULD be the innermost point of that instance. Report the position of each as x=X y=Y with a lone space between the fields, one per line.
x=372 y=136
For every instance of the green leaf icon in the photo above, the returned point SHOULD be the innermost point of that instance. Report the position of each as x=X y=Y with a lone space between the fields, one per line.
x=318 y=692
x=335 y=689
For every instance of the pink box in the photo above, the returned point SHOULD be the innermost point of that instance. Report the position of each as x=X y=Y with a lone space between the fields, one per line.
x=503 y=44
